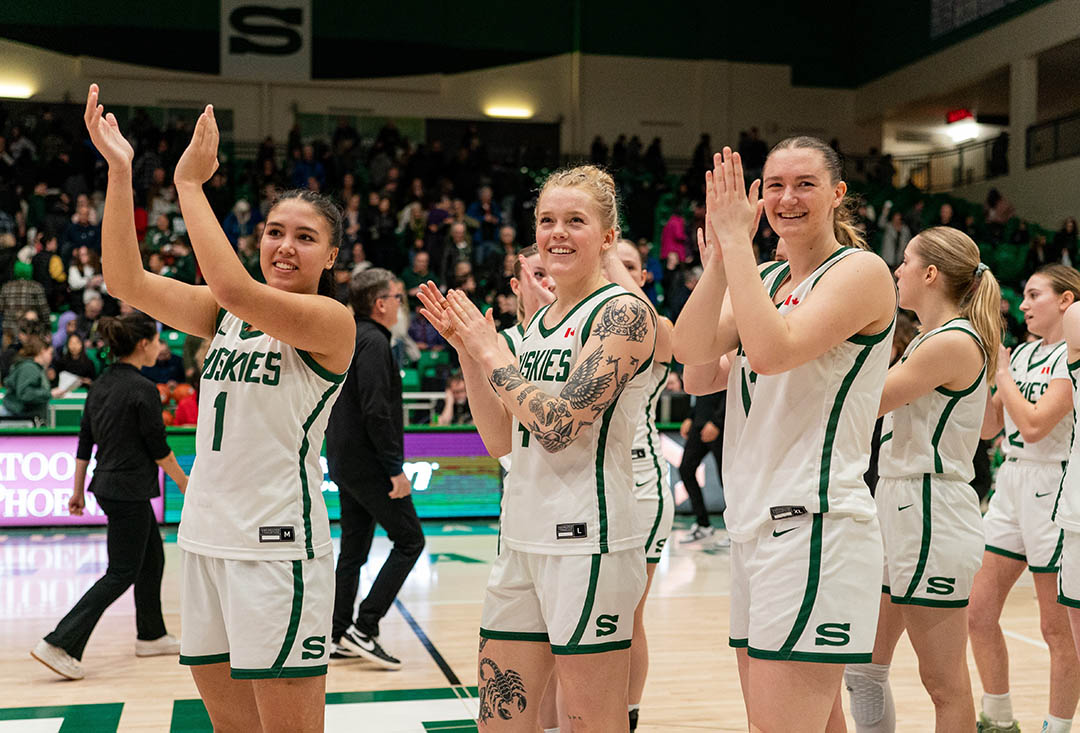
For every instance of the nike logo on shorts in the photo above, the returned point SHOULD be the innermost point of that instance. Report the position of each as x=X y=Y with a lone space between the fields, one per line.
x=1039 y=496
x=644 y=483
x=902 y=508
x=777 y=534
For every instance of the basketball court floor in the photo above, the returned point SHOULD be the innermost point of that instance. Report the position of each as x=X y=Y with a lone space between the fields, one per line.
x=693 y=683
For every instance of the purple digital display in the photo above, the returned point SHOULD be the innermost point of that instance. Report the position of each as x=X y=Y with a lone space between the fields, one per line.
x=36 y=476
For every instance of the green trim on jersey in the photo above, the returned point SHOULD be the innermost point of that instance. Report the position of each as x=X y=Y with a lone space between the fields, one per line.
x=935 y=439
x=319 y=369
x=220 y=317
x=924 y=547
x=745 y=392
x=771 y=267
x=831 y=426
x=1055 y=559
x=1031 y=365
x=510 y=341
x=514 y=635
x=197 y=661
x=586 y=609
x=601 y=497
x=305 y=445
x=813 y=575
x=832 y=259
x=656 y=463
x=545 y=332
x=873 y=338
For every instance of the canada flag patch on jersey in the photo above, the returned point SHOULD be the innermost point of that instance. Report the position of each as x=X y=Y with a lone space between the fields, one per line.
x=1044 y=370
x=791 y=300
x=569 y=333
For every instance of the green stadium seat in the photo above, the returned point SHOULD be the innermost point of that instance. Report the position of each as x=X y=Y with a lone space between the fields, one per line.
x=410 y=380
x=175 y=340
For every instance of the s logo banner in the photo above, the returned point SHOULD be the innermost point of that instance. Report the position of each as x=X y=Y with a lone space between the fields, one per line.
x=266 y=40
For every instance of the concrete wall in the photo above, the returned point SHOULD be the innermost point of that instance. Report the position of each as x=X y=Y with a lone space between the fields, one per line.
x=1045 y=194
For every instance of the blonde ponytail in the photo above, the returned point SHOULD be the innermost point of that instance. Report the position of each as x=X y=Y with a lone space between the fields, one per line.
x=983 y=309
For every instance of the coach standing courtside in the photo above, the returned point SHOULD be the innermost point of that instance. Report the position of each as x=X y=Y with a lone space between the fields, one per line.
x=365 y=451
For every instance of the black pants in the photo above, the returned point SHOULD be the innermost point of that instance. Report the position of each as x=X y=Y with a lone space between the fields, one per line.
x=694 y=453
x=136 y=556
x=361 y=508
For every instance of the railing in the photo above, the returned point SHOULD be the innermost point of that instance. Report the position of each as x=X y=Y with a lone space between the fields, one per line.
x=1053 y=140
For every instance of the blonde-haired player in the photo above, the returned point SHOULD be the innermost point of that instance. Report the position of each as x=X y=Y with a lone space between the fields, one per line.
x=806 y=547
x=563 y=591
x=1032 y=404
x=933 y=402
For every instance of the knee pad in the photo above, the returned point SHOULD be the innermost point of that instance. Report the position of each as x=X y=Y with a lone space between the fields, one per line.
x=871 y=697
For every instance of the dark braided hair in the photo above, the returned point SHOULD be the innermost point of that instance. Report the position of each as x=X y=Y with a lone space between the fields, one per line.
x=331 y=212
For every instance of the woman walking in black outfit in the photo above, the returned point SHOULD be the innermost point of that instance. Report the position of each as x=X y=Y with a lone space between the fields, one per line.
x=123 y=417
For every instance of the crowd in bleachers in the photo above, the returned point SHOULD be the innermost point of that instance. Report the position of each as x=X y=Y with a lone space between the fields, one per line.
x=438 y=210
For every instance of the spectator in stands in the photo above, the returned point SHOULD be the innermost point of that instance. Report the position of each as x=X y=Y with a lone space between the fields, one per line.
x=453 y=409
x=458 y=248
x=307 y=168
x=160 y=235
x=179 y=261
x=65 y=326
x=1039 y=255
x=85 y=280
x=895 y=237
x=997 y=212
x=240 y=222
x=359 y=260
x=488 y=213
x=20 y=295
x=49 y=269
x=27 y=326
x=673 y=237
x=1020 y=235
x=167 y=370
x=26 y=390
x=248 y=251
x=947 y=218
x=420 y=272
x=681 y=294
x=87 y=324
x=914 y=217
x=654 y=271
x=381 y=241
x=81 y=233
x=164 y=203
x=74 y=360
x=354 y=218
x=1065 y=241
x=598 y=152
x=218 y=195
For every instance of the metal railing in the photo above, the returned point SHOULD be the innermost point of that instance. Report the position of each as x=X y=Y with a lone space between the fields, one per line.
x=1053 y=140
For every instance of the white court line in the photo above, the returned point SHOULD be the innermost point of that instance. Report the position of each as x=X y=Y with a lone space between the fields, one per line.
x=1025 y=639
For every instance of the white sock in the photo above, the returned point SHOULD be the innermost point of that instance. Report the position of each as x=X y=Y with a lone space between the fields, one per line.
x=1056 y=725
x=871 y=698
x=551 y=730
x=998 y=708
x=632 y=708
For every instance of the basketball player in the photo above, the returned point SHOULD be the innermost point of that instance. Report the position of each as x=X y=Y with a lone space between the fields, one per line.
x=1032 y=403
x=533 y=288
x=1067 y=511
x=934 y=401
x=257 y=584
x=563 y=591
x=815 y=332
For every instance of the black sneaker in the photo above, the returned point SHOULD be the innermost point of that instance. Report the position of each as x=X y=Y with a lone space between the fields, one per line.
x=633 y=719
x=368 y=648
x=337 y=651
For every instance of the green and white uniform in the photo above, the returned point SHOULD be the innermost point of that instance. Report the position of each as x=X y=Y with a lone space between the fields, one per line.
x=652 y=485
x=513 y=337
x=1018 y=523
x=571 y=568
x=806 y=548
x=930 y=517
x=1067 y=511
x=257 y=557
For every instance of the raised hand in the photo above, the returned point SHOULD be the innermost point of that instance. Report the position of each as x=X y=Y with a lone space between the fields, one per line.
x=534 y=293
x=199 y=160
x=105 y=133
x=435 y=310
x=732 y=212
x=475 y=329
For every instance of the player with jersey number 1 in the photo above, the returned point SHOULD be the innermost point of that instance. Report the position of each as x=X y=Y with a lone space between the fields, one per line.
x=563 y=591
x=1032 y=404
x=257 y=583
x=805 y=543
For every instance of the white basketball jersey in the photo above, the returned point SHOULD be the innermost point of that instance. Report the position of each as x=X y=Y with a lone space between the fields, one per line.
x=648 y=462
x=1033 y=366
x=513 y=336
x=938 y=432
x=255 y=491
x=1067 y=506
x=805 y=441
x=579 y=500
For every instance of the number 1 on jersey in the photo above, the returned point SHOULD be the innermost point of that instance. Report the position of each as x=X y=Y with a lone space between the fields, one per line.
x=219 y=419
x=524 y=435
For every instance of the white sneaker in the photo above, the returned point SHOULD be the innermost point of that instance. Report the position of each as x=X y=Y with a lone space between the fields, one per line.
x=161 y=646
x=369 y=648
x=58 y=660
x=698 y=536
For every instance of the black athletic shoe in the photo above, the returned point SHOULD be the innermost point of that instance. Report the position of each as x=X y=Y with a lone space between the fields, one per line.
x=633 y=719
x=368 y=648
x=337 y=651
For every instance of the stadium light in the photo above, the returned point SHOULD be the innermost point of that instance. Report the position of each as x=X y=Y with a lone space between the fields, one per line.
x=962 y=131
x=508 y=111
x=15 y=90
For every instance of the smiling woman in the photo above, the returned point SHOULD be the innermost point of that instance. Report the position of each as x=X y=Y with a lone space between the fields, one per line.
x=283 y=349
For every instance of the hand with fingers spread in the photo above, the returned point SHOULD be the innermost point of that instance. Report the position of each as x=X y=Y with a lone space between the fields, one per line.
x=732 y=213
x=534 y=294
x=436 y=310
x=105 y=133
x=199 y=160
x=475 y=329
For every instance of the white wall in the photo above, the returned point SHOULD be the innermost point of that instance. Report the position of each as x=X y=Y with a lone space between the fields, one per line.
x=1045 y=194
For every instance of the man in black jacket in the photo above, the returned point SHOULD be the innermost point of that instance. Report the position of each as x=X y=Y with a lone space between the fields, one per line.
x=704 y=432
x=365 y=452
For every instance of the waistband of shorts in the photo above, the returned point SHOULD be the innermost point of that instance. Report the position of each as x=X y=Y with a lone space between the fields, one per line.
x=1032 y=461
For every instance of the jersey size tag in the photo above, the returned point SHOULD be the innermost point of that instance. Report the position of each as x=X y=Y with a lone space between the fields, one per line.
x=571 y=531
x=786 y=512
x=636 y=453
x=277 y=534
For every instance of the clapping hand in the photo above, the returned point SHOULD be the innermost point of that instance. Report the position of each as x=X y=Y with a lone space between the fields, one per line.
x=475 y=329
x=199 y=160
x=732 y=213
x=105 y=133
x=436 y=311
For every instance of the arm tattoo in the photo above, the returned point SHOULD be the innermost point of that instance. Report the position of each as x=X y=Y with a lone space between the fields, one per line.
x=501 y=693
x=624 y=317
x=507 y=377
x=584 y=386
x=524 y=394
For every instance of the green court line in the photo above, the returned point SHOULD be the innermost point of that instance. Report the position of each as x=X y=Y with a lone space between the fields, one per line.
x=95 y=718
